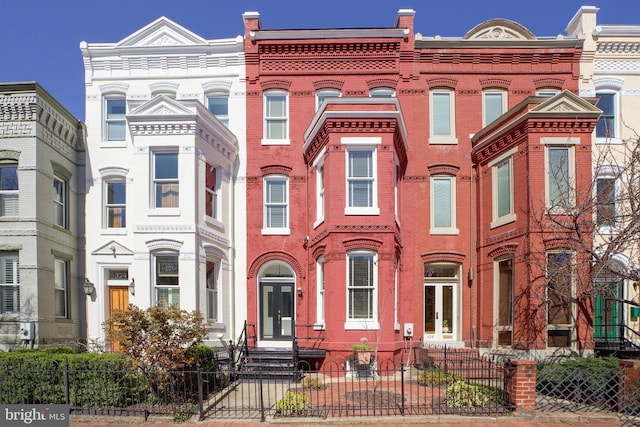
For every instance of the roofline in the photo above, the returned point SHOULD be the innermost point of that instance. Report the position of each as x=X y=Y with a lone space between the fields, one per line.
x=329 y=33
x=617 y=30
x=458 y=42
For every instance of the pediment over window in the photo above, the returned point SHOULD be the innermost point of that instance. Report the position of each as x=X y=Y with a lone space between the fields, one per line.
x=566 y=102
x=162 y=32
x=499 y=29
x=112 y=248
x=160 y=106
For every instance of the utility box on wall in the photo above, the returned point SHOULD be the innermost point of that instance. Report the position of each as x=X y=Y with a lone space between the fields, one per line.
x=27 y=331
x=408 y=330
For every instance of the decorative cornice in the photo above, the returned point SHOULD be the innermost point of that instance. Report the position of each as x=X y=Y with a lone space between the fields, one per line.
x=276 y=169
x=162 y=128
x=443 y=169
x=440 y=256
x=157 y=244
x=362 y=243
x=368 y=228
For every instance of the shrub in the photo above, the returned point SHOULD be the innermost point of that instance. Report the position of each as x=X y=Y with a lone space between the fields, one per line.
x=313 y=383
x=435 y=377
x=462 y=394
x=293 y=404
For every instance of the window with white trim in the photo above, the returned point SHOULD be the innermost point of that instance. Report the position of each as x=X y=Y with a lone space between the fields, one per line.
x=502 y=184
x=213 y=292
x=276 y=117
x=276 y=204
x=212 y=196
x=442 y=117
x=166 y=279
x=218 y=104
x=166 y=186
x=494 y=103
x=320 y=298
x=382 y=92
x=443 y=205
x=547 y=92
x=319 y=192
x=560 y=296
x=323 y=94
x=60 y=196
x=362 y=290
x=114 y=118
x=560 y=172
x=607 y=122
x=605 y=203
x=61 y=283
x=361 y=176
x=9 y=195
x=504 y=291
x=9 y=283
x=115 y=203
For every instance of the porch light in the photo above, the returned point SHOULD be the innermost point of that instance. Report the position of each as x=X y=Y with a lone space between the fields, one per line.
x=132 y=286
x=88 y=287
x=299 y=291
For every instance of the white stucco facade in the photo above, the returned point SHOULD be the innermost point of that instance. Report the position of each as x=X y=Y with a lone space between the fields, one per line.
x=155 y=234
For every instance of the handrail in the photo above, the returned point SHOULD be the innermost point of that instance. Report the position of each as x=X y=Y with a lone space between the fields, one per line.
x=317 y=338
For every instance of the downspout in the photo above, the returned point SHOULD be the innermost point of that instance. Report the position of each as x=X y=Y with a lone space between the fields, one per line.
x=472 y=325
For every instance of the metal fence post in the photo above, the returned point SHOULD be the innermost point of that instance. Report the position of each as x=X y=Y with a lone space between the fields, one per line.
x=66 y=379
x=200 y=398
x=262 y=416
x=402 y=385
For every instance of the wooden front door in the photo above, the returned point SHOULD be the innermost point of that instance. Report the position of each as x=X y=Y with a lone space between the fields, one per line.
x=118 y=300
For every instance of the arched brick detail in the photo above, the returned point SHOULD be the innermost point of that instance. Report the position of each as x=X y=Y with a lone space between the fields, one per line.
x=276 y=169
x=561 y=243
x=494 y=82
x=503 y=250
x=271 y=256
x=276 y=84
x=361 y=243
x=319 y=251
x=443 y=169
x=548 y=82
x=328 y=84
x=448 y=256
x=376 y=83
x=442 y=82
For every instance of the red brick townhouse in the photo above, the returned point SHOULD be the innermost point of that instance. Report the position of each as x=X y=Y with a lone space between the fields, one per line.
x=362 y=174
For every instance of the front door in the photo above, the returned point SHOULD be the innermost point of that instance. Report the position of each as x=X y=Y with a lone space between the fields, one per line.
x=276 y=311
x=118 y=300
x=605 y=313
x=439 y=311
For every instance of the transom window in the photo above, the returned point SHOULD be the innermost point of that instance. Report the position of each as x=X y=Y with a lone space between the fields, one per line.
x=165 y=180
x=382 y=92
x=9 y=196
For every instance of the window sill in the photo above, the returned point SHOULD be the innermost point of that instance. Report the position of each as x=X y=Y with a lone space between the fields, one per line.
x=318 y=326
x=503 y=220
x=607 y=229
x=61 y=228
x=443 y=140
x=114 y=232
x=275 y=141
x=361 y=325
x=444 y=231
x=216 y=326
x=276 y=231
x=610 y=141
x=209 y=220
x=317 y=222
x=361 y=211
x=164 y=212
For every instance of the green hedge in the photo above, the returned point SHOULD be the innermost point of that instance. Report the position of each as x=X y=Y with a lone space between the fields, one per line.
x=59 y=376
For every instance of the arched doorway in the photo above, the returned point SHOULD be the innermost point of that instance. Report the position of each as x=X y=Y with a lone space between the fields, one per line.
x=276 y=304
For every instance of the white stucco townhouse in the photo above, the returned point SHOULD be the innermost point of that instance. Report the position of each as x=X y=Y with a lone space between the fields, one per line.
x=165 y=117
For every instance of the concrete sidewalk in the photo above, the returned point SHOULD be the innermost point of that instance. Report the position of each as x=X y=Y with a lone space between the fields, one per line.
x=551 y=419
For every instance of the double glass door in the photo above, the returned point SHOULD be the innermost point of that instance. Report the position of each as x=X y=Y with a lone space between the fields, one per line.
x=276 y=311
x=439 y=311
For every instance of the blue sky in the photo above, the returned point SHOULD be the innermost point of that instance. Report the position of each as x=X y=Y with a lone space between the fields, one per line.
x=40 y=42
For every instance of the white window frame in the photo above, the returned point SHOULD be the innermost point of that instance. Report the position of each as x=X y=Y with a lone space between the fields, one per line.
x=119 y=119
x=396 y=188
x=444 y=138
x=615 y=137
x=9 y=197
x=320 y=188
x=360 y=144
x=499 y=300
x=562 y=326
x=214 y=193
x=452 y=228
x=61 y=287
x=495 y=165
x=320 y=294
x=214 y=300
x=370 y=322
x=322 y=94
x=223 y=118
x=490 y=92
x=155 y=181
x=266 y=139
x=552 y=143
x=608 y=175
x=267 y=203
x=60 y=201
x=172 y=288
x=382 y=92
x=108 y=206
x=9 y=283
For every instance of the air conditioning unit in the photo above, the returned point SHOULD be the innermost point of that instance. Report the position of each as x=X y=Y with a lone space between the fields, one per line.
x=27 y=331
